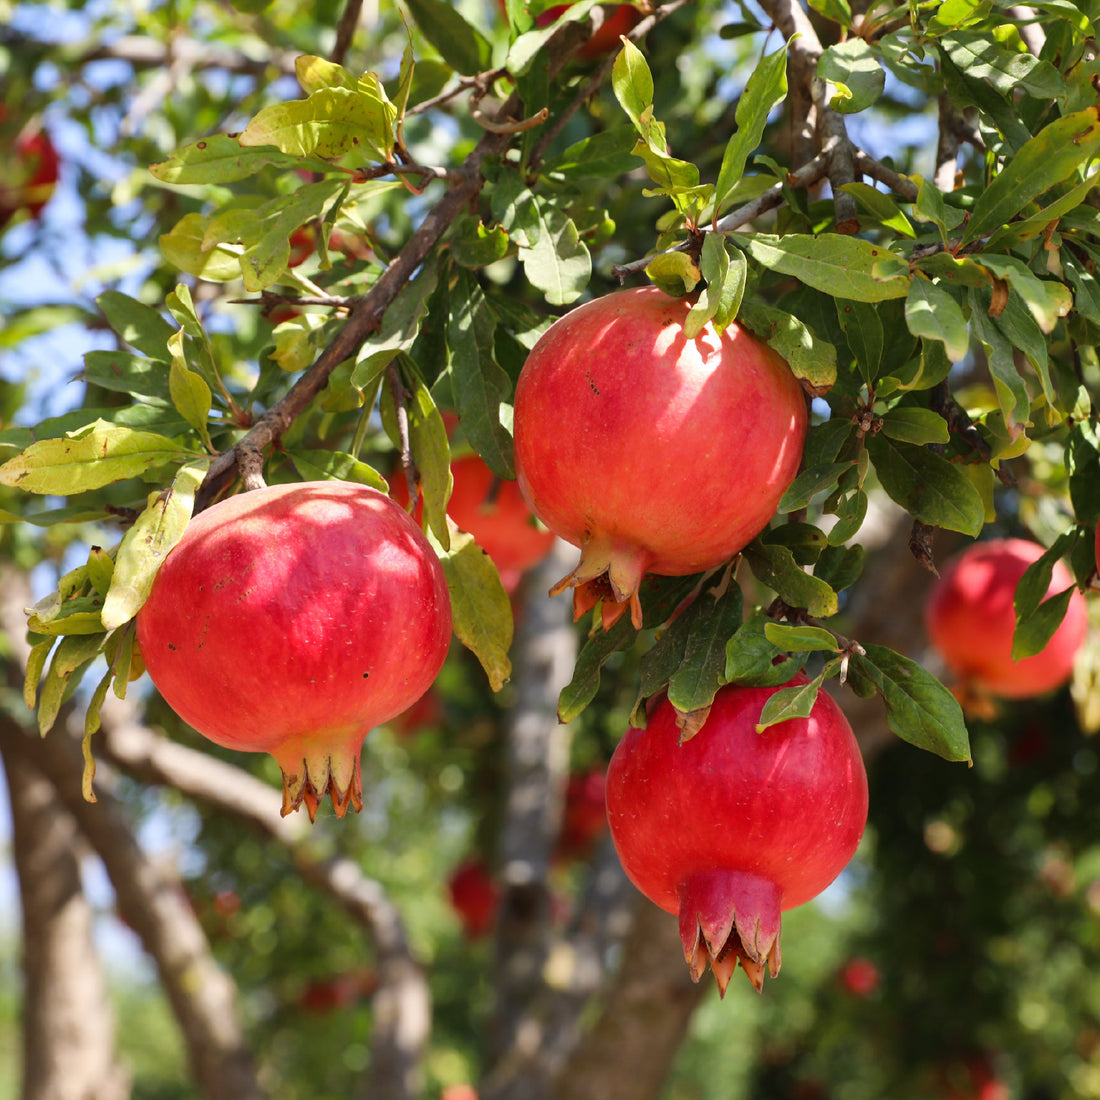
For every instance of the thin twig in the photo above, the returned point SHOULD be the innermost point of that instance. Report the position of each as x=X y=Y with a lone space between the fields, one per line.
x=345 y=31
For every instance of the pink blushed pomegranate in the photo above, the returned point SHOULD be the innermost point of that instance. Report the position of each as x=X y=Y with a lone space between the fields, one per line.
x=292 y=620
x=970 y=619
x=650 y=451
x=732 y=827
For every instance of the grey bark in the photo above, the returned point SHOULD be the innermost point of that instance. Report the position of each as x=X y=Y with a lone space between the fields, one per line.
x=68 y=1024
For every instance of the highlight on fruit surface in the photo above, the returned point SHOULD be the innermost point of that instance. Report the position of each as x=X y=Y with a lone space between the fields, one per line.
x=970 y=618
x=292 y=620
x=732 y=827
x=651 y=451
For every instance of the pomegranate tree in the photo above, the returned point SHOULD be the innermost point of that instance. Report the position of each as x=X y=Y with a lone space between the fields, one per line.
x=650 y=450
x=732 y=827
x=970 y=618
x=293 y=619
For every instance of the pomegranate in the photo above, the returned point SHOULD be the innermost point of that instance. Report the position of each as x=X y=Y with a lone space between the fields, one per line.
x=28 y=173
x=495 y=513
x=475 y=897
x=733 y=826
x=293 y=619
x=970 y=621
x=651 y=451
x=303 y=243
x=584 y=818
x=860 y=977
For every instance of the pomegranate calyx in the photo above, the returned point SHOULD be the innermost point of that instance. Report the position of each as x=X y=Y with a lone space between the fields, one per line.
x=309 y=776
x=728 y=917
x=608 y=575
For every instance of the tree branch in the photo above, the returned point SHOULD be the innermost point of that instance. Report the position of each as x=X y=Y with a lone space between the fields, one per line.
x=401 y=1000
x=67 y=1022
x=535 y=766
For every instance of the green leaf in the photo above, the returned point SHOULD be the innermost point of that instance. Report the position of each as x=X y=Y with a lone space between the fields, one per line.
x=594 y=654
x=885 y=211
x=315 y=73
x=190 y=393
x=851 y=511
x=632 y=83
x=836 y=11
x=931 y=207
x=809 y=483
x=1033 y=633
x=330 y=123
x=919 y=709
x=839 y=265
x=1047 y=299
x=527 y=46
x=675 y=273
x=926 y=485
x=855 y=73
x=863 y=330
x=811 y=359
x=800 y=639
x=222 y=159
x=717 y=616
x=557 y=262
x=766 y=86
x=604 y=155
x=1009 y=386
x=147 y=543
x=462 y=46
x=1049 y=158
x=982 y=57
x=141 y=326
x=720 y=299
x=36 y=663
x=321 y=465
x=480 y=609
x=480 y=385
x=88 y=459
x=121 y=372
x=183 y=246
x=474 y=245
x=795 y=701
x=398 y=330
x=432 y=451
x=71 y=657
x=776 y=567
x=933 y=312
x=915 y=425
x=752 y=660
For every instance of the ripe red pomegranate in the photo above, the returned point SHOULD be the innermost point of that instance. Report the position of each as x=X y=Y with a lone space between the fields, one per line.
x=293 y=619
x=475 y=897
x=970 y=621
x=606 y=37
x=733 y=826
x=860 y=977
x=28 y=173
x=584 y=817
x=495 y=513
x=650 y=451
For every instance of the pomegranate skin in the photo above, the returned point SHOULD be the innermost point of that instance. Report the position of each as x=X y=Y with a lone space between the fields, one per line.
x=293 y=619
x=649 y=451
x=732 y=827
x=970 y=620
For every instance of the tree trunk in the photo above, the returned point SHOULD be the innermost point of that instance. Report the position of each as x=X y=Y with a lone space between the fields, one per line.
x=68 y=1024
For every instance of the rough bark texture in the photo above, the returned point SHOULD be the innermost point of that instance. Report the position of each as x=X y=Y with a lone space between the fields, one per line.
x=401 y=1002
x=630 y=1049
x=68 y=1024
x=536 y=763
